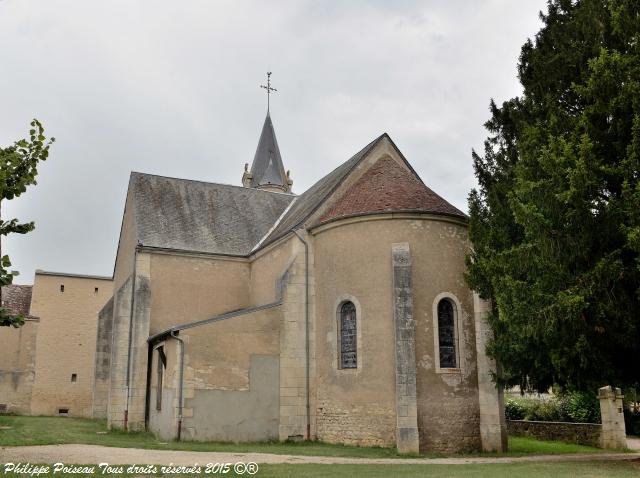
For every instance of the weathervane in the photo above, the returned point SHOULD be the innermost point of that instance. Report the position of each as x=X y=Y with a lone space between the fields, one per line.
x=268 y=88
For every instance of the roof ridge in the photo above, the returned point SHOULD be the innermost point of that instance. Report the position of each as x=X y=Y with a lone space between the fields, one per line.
x=72 y=274
x=358 y=157
x=362 y=151
x=275 y=224
x=192 y=215
x=264 y=190
x=210 y=183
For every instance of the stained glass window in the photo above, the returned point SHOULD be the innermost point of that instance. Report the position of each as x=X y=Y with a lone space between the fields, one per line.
x=446 y=334
x=348 y=336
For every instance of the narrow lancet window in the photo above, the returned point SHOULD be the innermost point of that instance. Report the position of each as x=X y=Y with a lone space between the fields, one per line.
x=162 y=363
x=348 y=336
x=446 y=334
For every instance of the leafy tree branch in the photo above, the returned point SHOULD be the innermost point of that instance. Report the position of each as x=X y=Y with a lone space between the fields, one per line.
x=18 y=170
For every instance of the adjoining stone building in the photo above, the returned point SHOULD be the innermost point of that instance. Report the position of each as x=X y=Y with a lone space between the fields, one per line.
x=47 y=365
x=17 y=352
x=341 y=314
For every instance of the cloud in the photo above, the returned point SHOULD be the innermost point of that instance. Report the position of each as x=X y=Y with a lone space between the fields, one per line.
x=173 y=88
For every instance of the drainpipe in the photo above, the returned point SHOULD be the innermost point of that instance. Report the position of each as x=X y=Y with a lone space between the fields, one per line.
x=180 y=382
x=147 y=392
x=306 y=327
x=133 y=295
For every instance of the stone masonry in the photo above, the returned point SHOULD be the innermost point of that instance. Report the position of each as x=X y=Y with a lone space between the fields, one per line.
x=493 y=426
x=103 y=361
x=139 y=347
x=612 y=414
x=588 y=434
x=406 y=403
x=293 y=393
x=130 y=333
x=119 y=353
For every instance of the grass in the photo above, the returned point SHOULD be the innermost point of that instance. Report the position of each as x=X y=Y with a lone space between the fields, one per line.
x=22 y=430
x=18 y=430
x=59 y=430
x=521 y=470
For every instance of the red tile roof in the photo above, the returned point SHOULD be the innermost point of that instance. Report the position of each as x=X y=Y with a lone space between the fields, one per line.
x=388 y=187
x=17 y=299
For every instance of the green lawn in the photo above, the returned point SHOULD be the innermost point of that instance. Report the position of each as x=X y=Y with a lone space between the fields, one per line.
x=56 y=430
x=17 y=430
x=530 y=446
x=20 y=430
x=520 y=470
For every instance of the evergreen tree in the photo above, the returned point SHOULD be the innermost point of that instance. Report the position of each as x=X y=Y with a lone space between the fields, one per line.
x=18 y=169
x=555 y=222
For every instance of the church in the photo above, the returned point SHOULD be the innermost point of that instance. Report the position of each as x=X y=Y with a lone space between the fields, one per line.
x=249 y=313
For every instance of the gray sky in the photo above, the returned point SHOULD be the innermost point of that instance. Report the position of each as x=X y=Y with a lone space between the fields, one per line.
x=172 y=88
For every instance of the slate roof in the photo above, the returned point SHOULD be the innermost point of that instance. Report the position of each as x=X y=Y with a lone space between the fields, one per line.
x=17 y=299
x=197 y=216
x=205 y=217
x=267 y=167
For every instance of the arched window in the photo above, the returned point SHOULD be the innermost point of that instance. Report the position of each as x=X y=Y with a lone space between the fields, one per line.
x=447 y=334
x=348 y=336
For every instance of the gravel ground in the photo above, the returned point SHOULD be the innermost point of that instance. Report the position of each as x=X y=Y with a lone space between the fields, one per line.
x=94 y=454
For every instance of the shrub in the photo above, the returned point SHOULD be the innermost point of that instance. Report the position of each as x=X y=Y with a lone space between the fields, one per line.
x=574 y=407
x=513 y=410
x=581 y=407
x=543 y=411
x=632 y=422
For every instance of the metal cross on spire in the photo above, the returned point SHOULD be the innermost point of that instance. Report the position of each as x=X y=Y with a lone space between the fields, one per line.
x=268 y=88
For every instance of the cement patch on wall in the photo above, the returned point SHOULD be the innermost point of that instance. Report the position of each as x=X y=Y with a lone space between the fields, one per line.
x=239 y=416
x=163 y=422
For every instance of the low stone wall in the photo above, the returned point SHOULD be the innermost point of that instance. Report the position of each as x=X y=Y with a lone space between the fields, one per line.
x=581 y=433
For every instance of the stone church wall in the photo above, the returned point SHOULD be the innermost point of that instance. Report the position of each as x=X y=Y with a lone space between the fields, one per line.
x=164 y=422
x=119 y=350
x=231 y=381
x=123 y=278
x=17 y=366
x=267 y=267
x=353 y=262
x=129 y=349
x=188 y=288
x=355 y=406
x=448 y=406
x=293 y=347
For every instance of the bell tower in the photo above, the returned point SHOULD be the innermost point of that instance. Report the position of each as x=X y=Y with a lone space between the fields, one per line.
x=267 y=171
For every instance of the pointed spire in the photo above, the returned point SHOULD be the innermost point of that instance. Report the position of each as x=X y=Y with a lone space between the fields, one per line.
x=267 y=170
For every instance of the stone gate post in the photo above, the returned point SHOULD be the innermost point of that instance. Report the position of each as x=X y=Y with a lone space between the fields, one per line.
x=611 y=411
